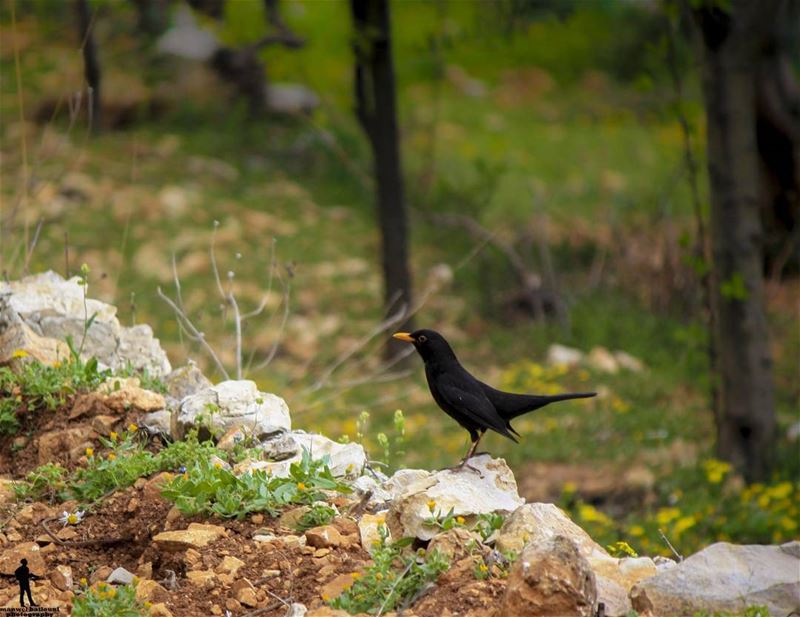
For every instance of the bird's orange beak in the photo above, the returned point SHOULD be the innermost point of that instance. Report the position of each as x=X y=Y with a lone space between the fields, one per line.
x=403 y=336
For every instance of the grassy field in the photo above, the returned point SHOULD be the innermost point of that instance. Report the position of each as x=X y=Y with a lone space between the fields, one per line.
x=557 y=150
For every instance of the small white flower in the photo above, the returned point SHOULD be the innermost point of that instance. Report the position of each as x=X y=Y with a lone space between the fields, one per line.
x=71 y=518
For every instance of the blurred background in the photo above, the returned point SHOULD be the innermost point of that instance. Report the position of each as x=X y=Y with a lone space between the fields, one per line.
x=529 y=177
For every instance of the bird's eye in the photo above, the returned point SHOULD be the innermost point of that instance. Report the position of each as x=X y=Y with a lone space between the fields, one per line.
x=422 y=338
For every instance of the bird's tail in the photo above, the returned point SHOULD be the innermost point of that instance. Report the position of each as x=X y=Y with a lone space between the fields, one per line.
x=513 y=405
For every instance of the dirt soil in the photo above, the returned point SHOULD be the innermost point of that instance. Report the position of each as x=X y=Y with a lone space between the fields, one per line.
x=119 y=530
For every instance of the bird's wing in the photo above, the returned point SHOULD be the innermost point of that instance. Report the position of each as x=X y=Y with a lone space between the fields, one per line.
x=468 y=399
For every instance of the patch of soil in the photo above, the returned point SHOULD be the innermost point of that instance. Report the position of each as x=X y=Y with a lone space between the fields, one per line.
x=19 y=454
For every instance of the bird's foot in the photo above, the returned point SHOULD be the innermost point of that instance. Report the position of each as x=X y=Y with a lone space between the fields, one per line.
x=463 y=465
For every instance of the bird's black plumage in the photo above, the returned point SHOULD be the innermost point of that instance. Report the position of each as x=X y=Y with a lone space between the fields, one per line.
x=476 y=406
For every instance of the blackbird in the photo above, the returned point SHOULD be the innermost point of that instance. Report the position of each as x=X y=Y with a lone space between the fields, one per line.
x=475 y=405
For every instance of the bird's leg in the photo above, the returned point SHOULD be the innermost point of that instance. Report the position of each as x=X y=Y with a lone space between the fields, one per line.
x=470 y=452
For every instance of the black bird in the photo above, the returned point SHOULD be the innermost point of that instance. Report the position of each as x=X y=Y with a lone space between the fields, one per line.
x=475 y=405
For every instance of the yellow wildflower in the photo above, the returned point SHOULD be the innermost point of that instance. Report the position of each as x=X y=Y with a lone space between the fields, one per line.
x=431 y=504
x=483 y=567
x=148 y=604
x=788 y=523
x=111 y=456
x=19 y=353
x=113 y=435
x=460 y=520
x=301 y=486
x=379 y=576
x=780 y=491
x=716 y=470
x=356 y=574
x=57 y=364
x=682 y=524
x=89 y=452
x=636 y=530
x=83 y=581
x=666 y=515
x=591 y=514
x=133 y=427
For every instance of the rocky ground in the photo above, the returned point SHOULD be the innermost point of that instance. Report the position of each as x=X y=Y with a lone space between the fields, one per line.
x=531 y=560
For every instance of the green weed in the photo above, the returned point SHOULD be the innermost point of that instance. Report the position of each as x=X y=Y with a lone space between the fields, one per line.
x=109 y=601
x=319 y=514
x=212 y=489
x=393 y=577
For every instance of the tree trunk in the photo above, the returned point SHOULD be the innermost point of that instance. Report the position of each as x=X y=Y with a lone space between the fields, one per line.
x=746 y=417
x=91 y=65
x=376 y=109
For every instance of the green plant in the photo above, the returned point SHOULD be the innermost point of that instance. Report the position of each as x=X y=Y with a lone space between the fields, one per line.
x=319 y=514
x=44 y=482
x=394 y=576
x=213 y=489
x=9 y=425
x=109 y=601
x=488 y=523
x=750 y=611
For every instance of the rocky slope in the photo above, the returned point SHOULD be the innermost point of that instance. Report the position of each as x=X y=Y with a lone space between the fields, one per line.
x=506 y=557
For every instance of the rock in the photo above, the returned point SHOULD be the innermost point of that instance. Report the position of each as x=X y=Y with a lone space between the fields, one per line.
x=465 y=492
x=563 y=355
x=291 y=518
x=327 y=611
x=725 y=578
x=234 y=403
x=148 y=590
x=290 y=99
x=602 y=360
x=54 y=444
x=296 y=609
x=186 y=39
x=61 y=577
x=324 y=536
x=54 y=308
x=613 y=596
x=455 y=543
x=368 y=531
x=185 y=381
x=152 y=488
x=101 y=574
x=615 y=577
x=628 y=362
x=120 y=576
x=230 y=565
x=103 y=424
x=402 y=478
x=280 y=447
x=159 y=609
x=19 y=343
x=533 y=522
x=6 y=491
x=133 y=397
x=337 y=586
x=244 y=592
x=10 y=558
x=346 y=459
x=196 y=536
x=550 y=579
x=158 y=422
x=200 y=578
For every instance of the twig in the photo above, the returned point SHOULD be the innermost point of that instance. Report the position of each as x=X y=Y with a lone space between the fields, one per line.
x=394 y=586
x=669 y=544
x=266 y=609
x=57 y=540
x=193 y=332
